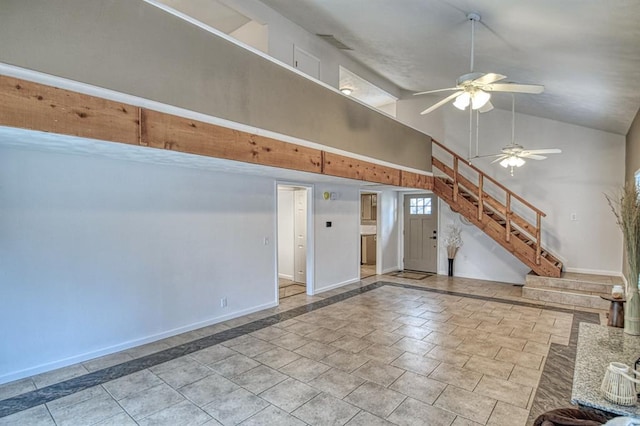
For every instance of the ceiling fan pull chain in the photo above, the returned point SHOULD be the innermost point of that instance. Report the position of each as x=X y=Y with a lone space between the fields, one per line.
x=472 y=18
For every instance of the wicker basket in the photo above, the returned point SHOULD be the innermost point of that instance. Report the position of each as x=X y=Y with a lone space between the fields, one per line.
x=618 y=385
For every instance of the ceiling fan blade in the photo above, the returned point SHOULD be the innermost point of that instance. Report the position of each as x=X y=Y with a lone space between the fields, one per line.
x=442 y=102
x=533 y=156
x=488 y=156
x=486 y=107
x=500 y=158
x=489 y=78
x=436 y=91
x=515 y=88
x=543 y=151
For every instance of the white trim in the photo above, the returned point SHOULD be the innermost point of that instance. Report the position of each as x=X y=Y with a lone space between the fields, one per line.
x=594 y=272
x=16 y=375
x=285 y=276
x=334 y=286
x=392 y=269
x=112 y=95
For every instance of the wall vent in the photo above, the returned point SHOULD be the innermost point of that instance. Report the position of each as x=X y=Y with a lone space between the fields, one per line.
x=329 y=38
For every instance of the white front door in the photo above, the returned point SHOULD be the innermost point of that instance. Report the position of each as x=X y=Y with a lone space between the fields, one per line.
x=300 y=236
x=421 y=232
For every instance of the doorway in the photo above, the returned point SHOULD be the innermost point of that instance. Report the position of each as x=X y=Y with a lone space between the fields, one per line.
x=368 y=234
x=293 y=240
x=421 y=232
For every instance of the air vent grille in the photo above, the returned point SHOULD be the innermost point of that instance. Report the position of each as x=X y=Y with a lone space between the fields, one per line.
x=329 y=38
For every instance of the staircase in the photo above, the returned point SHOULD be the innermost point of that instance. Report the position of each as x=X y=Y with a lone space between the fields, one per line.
x=493 y=208
x=583 y=290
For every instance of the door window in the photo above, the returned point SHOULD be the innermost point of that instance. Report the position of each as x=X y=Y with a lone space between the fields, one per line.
x=420 y=206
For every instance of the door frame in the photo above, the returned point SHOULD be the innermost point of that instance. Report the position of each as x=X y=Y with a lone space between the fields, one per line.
x=400 y=202
x=378 y=218
x=310 y=261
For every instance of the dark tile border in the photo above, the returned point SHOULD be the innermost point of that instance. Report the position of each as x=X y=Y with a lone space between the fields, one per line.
x=68 y=387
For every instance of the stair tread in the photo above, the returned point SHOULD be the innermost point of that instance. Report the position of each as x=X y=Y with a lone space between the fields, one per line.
x=589 y=278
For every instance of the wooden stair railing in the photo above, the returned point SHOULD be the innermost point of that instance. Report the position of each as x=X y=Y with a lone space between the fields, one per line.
x=496 y=218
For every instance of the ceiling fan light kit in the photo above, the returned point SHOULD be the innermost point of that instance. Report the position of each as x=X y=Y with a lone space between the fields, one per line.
x=473 y=88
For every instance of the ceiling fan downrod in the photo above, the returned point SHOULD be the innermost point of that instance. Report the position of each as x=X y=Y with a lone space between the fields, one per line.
x=473 y=17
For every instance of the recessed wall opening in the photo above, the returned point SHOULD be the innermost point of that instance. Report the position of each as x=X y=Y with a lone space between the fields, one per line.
x=368 y=234
x=367 y=92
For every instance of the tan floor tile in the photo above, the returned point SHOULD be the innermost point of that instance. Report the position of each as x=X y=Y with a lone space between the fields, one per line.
x=351 y=344
x=479 y=347
x=447 y=373
x=367 y=419
x=382 y=374
x=413 y=345
x=358 y=330
x=326 y=410
x=415 y=413
x=413 y=331
x=461 y=421
x=445 y=340
x=523 y=359
x=270 y=416
x=269 y=333
x=503 y=390
x=416 y=363
x=181 y=371
x=337 y=383
x=381 y=353
x=315 y=350
x=531 y=335
x=525 y=376
x=290 y=341
x=16 y=387
x=440 y=327
x=233 y=365
x=176 y=414
x=515 y=343
x=131 y=384
x=410 y=320
x=213 y=354
x=34 y=416
x=375 y=399
x=383 y=337
x=277 y=357
x=289 y=395
x=304 y=369
x=559 y=340
x=490 y=366
x=259 y=379
x=499 y=329
x=325 y=335
x=59 y=375
x=508 y=415
x=471 y=405
x=234 y=407
x=145 y=403
x=206 y=390
x=347 y=361
x=536 y=348
x=418 y=387
x=450 y=356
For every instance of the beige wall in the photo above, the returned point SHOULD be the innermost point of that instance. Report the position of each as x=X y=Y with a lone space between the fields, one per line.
x=135 y=48
x=633 y=149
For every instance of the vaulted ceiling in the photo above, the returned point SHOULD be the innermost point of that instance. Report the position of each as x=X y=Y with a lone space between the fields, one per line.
x=585 y=52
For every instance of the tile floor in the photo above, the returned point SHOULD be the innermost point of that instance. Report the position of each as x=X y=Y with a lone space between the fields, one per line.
x=390 y=355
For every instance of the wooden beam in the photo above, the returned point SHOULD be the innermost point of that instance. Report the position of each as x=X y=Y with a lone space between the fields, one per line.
x=346 y=167
x=165 y=131
x=34 y=106
x=415 y=180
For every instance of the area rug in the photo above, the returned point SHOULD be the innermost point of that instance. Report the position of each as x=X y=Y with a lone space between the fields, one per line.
x=411 y=275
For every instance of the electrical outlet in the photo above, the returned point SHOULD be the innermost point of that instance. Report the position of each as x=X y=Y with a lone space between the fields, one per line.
x=223 y=302
x=574 y=217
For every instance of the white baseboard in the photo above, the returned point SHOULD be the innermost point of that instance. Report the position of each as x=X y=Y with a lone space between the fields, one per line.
x=595 y=272
x=65 y=362
x=286 y=277
x=333 y=286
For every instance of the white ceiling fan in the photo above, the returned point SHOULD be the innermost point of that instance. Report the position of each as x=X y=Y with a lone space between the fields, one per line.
x=474 y=88
x=514 y=155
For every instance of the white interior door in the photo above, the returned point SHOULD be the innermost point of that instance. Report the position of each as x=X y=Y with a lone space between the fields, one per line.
x=300 y=233
x=306 y=62
x=421 y=232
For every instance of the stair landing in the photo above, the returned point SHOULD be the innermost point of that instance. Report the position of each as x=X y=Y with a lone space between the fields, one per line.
x=572 y=289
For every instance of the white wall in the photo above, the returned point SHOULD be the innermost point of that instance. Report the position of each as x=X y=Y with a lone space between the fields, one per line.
x=337 y=247
x=286 y=237
x=284 y=34
x=98 y=255
x=592 y=163
x=388 y=231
